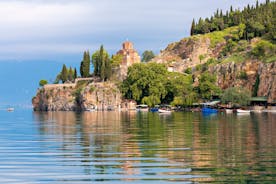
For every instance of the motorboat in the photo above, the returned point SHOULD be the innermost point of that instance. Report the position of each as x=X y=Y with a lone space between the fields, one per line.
x=209 y=110
x=164 y=110
x=243 y=111
x=142 y=108
x=228 y=111
x=10 y=109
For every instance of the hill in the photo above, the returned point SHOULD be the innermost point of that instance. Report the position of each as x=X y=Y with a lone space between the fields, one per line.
x=236 y=59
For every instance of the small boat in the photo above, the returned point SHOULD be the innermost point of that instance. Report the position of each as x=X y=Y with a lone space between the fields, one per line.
x=142 y=108
x=10 y=109
x=209 y=110
x=164 y=111
x=243 y=111
x=228 y=111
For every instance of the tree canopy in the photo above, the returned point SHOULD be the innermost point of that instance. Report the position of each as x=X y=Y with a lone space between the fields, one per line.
x=102 y=64
x=147 y=55
x=85 y=65
x=152 y=84
x=259 y=20
x=236 y=95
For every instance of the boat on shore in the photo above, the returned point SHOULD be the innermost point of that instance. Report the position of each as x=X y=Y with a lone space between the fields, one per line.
x=142 y=108
x=209 y=110
x=228 y=111
x=164 y=111
x=243 y=111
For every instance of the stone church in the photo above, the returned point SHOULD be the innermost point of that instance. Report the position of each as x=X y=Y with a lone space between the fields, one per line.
x=129 y=57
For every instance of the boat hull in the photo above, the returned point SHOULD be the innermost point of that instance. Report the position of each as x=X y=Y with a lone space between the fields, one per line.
x=164 y=111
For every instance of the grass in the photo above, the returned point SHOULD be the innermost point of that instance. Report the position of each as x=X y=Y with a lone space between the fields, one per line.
x=236 y=58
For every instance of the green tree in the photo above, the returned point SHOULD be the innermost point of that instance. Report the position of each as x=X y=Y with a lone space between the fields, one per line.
x=146 y=80
x=64 y=74
x=147 y=56
x=207 y=86
x=85 y=65
x=102 y=64
x=43 y=82
x=75 y=73
x=236 y=95
x=192 y=28
x=70 y=73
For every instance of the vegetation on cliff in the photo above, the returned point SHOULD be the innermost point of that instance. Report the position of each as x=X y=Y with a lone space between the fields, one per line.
x=153 y=84
x=259 y=20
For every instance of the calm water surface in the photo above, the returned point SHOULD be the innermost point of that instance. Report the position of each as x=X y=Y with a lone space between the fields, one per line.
x=113 y=147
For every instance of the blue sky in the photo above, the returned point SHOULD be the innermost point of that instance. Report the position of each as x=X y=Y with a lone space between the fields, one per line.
x=63 y=29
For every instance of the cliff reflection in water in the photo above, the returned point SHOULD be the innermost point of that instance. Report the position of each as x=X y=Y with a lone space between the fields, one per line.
x=176 y=147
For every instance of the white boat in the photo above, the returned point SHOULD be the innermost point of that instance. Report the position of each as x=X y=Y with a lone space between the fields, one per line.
x=228 y=111
x=10 y=109
x=164 y=111
x=142 y=108
x=243 y=111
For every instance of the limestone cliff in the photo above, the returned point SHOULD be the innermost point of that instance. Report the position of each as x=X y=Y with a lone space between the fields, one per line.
x=231 y=61
x=80 y=96
x=188 y=52
x=245 y=75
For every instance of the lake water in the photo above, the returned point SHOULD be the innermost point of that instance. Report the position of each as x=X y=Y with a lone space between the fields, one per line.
x=123 y=147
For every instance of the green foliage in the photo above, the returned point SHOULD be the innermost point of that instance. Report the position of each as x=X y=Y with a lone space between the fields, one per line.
x=207 y=87
x=263 y=50
x=237 y=96
x=102 y=64
x=258 y=20
x=152 y=84
x=43 y=82
x=85 y=65
x=151 y=100
x=64 y=74
x=188 y=70
x=144 y=80
x=147 y=56
x=116 y=60
x=243 y=75
x=75 y=73
x=256 y=86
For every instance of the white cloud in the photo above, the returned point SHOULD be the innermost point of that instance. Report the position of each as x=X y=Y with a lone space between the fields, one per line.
x=61 y=26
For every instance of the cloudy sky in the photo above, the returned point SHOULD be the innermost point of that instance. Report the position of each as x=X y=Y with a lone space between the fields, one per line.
x=63 y=29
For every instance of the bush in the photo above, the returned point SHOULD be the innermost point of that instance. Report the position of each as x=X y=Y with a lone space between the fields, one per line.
x=243 y=75
x=235 y=95
x=43 y=82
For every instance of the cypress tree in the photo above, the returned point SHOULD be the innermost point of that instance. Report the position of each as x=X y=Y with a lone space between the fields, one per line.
x=64 y=74
x=192 y=28
x=85 y=65
x=102 y=63
x=75 y=73
x=81 y=69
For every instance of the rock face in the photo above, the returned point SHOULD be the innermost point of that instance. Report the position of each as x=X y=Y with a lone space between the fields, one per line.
x=194 y=51
x=101 y=96
x=188 y=52
x=230 y=75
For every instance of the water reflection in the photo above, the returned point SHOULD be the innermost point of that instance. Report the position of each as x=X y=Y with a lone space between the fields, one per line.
x=131 y=146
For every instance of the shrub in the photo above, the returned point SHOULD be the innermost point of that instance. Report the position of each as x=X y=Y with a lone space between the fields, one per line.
x=43 y=82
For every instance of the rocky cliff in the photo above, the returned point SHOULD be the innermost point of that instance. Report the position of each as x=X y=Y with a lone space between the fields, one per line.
x=245 y=75
x=228 y=57
x=80 y=96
